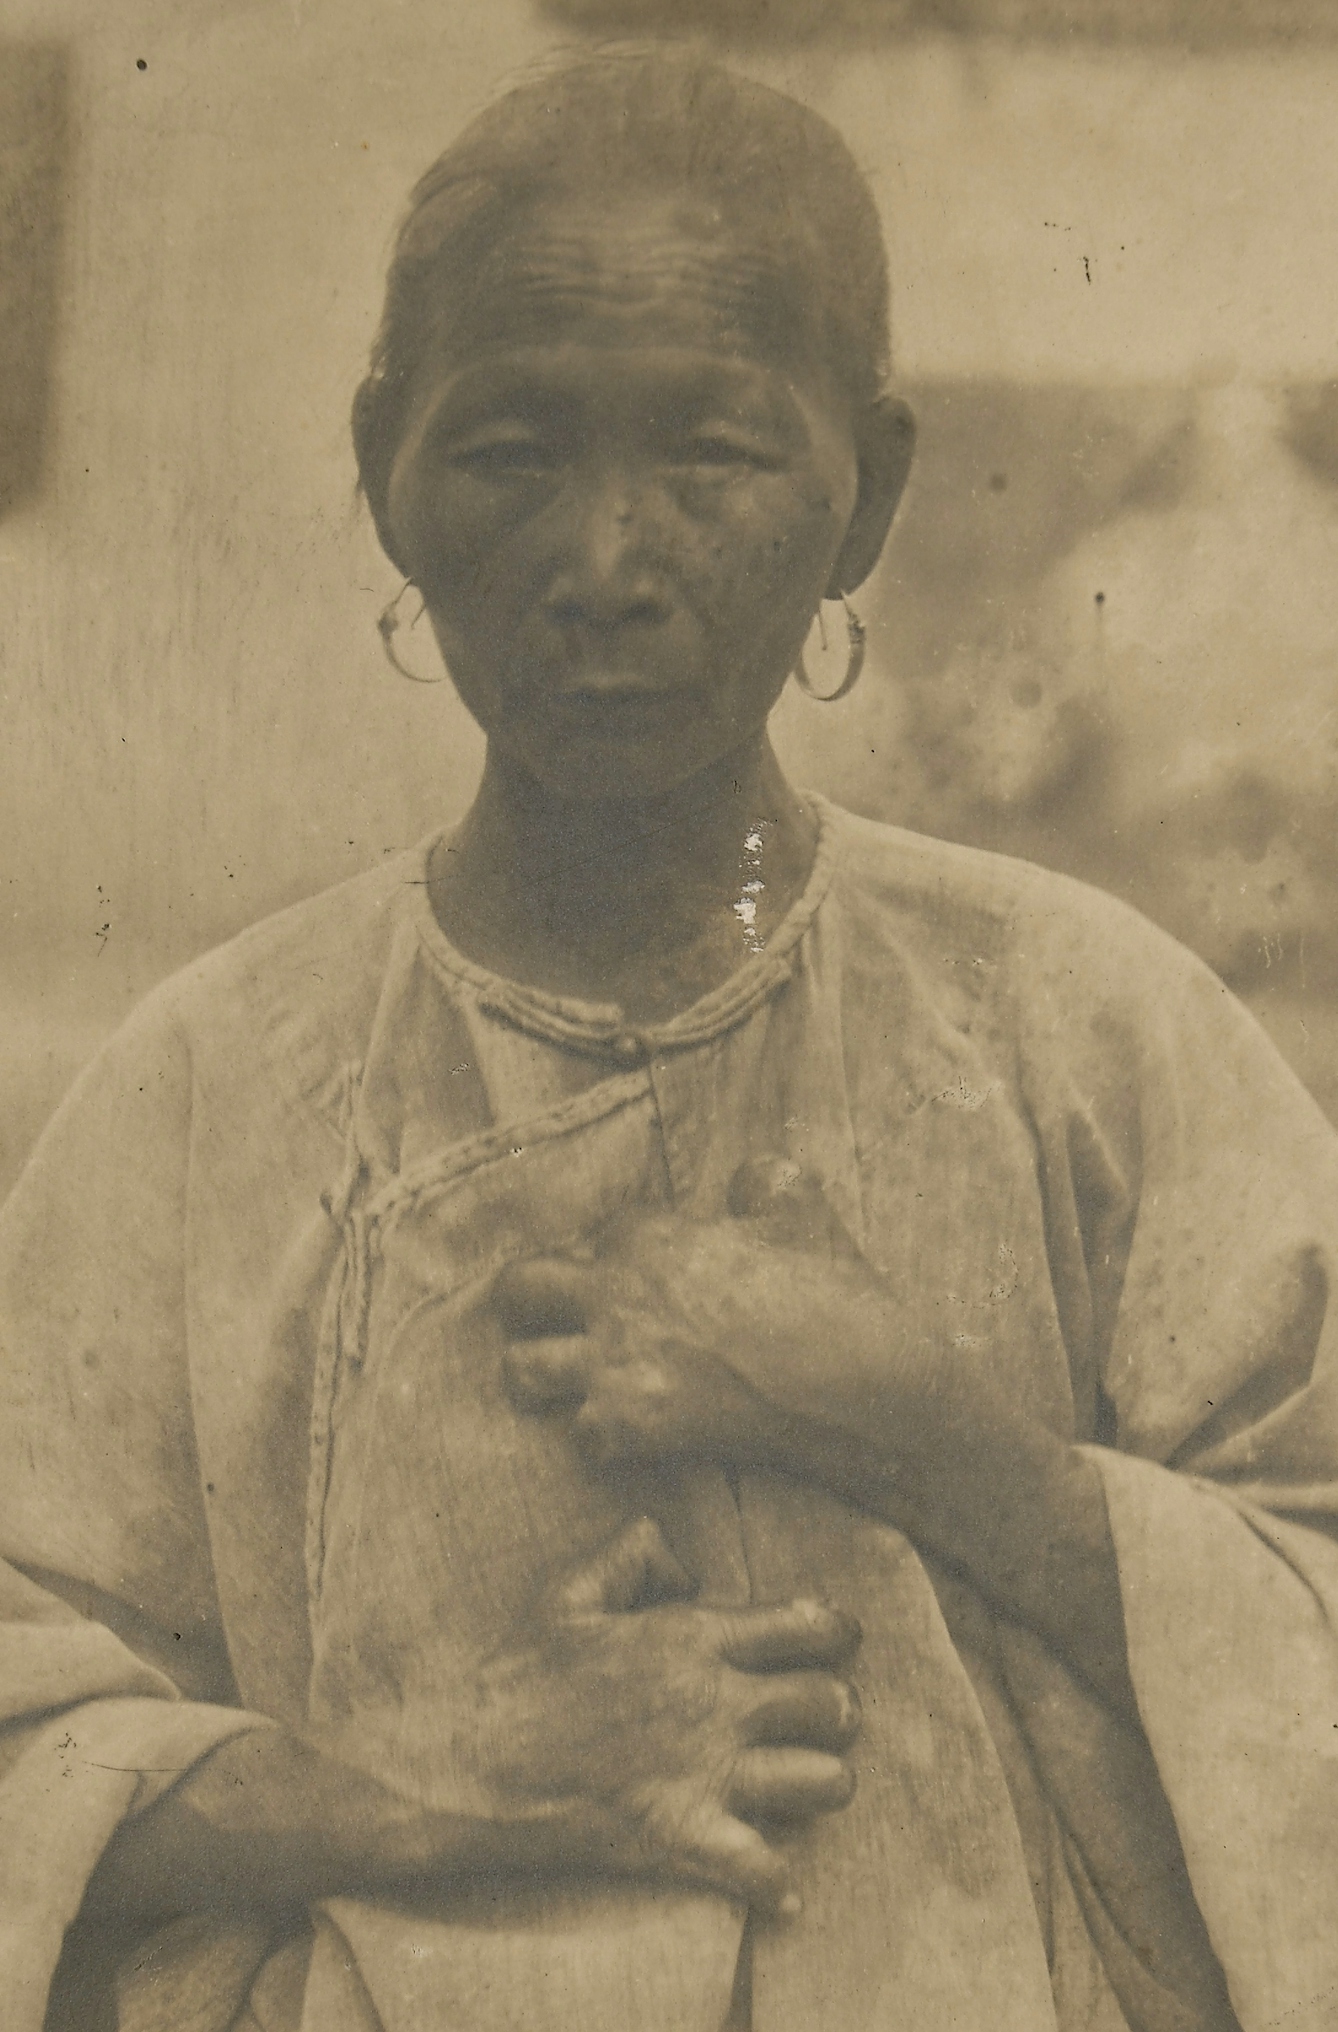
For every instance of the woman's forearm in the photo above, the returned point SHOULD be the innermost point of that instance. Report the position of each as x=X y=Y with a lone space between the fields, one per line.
x=269 y=1820
x=977 y=1483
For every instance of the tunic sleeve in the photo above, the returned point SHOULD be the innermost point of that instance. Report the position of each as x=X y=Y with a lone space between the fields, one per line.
x=1204 y=1184
x=113 y=1674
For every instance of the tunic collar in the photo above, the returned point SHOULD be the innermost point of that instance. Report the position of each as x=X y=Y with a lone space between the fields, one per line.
x=601 y=1028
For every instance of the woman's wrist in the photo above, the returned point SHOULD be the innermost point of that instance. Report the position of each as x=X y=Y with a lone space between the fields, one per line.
x=1022 y=1512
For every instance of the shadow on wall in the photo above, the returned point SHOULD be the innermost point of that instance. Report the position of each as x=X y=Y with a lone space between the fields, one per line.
x=33 y=148
x=1198 y=24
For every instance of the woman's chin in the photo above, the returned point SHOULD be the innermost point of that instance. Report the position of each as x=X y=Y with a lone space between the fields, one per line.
x=599 y=763
x=638 y=745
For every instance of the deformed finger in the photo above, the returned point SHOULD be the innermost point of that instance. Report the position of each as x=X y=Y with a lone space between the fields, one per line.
x=619 y=1416
x=634 y=1570
x=766 y=1185
x=605 y=1438
x=548 y=1375
x=791 y=1203
x=788 y=1638
x=779 y=1785
x=815 y=1710
x=546 y=1295
x=729 y=1856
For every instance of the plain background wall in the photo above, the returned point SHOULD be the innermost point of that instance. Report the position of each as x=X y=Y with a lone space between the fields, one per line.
x=1089 y=246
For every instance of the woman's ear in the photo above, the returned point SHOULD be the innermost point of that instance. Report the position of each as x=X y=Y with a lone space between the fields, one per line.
x=885 y=437
x=375 y=460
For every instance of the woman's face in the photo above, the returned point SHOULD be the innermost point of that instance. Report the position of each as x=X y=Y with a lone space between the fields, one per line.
x=623 y=487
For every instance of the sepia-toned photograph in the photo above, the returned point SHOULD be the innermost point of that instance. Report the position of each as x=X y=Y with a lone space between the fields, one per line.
x=669 y=1016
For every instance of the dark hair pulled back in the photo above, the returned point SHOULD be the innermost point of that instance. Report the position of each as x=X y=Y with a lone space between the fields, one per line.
x=652 y=118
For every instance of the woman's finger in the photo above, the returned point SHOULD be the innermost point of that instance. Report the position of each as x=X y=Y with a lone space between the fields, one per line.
x=634 y=1570
x=812 y=1710
x=789 y=1638
x=608 y=1438
x=549 y=1375
x=546 y=1295
x=623 y=1416
x=729 y=1856
x=791 y=1203
x=769 y=1185
x=780 y=1785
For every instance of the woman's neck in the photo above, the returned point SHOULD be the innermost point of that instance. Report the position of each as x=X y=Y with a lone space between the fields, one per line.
x=647 y=902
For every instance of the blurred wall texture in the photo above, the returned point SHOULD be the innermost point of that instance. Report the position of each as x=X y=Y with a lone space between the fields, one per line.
x=1103 y=635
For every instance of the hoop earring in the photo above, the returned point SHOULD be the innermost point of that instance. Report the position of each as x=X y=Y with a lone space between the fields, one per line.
x=857 y=636
x=388 y=623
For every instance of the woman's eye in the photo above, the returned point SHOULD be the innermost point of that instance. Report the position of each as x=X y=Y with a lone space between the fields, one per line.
x=504 y=457
x=717 y=449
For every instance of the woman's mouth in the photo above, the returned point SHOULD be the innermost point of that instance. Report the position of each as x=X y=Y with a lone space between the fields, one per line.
x=611 y=691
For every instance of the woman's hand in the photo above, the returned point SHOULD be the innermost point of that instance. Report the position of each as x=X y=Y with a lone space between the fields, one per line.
x=662 y=1346
x=623 y=1730
x=653 y=1737
x=638 y=1382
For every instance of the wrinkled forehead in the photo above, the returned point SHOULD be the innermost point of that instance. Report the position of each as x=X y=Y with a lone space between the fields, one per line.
x=656 y=269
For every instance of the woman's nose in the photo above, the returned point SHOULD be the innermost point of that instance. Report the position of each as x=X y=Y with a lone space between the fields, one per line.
x=606 y=576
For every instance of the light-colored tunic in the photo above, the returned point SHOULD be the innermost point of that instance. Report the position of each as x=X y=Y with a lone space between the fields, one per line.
x=256 y=1460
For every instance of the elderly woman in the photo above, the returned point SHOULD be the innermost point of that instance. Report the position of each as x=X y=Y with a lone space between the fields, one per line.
x=498 y=1354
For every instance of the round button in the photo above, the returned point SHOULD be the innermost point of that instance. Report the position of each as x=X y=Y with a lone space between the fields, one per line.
x=630 y=1048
